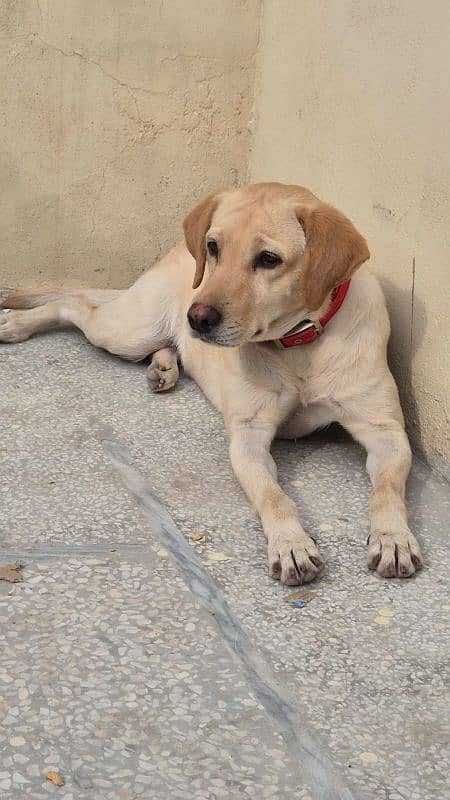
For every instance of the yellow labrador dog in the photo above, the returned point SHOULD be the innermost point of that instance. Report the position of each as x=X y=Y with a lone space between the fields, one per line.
x=280 y=334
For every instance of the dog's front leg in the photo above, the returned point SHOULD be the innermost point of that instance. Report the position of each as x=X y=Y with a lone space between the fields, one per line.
x=393 y=549
x=293 y=555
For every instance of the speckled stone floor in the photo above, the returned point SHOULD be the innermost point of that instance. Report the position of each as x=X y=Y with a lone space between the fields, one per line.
x=111 y=671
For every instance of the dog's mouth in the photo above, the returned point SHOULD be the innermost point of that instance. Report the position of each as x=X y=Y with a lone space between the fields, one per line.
x=277 y=327
x=231 y=335
x=217 y=338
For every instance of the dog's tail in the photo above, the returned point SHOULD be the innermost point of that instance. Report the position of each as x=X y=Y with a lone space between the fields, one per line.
x=31 y=298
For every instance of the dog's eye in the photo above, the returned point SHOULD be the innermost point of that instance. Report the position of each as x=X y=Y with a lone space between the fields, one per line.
x=213 y=249
x=267 y=260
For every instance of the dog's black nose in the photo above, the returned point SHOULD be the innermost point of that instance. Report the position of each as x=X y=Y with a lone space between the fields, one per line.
x=203 y=318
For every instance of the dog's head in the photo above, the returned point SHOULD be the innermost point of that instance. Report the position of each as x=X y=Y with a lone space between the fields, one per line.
x=272 y=253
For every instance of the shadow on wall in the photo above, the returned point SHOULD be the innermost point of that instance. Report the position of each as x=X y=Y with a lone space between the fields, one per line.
x=403 y=344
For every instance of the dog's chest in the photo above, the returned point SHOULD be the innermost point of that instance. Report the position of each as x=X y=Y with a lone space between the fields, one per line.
x=316 y=372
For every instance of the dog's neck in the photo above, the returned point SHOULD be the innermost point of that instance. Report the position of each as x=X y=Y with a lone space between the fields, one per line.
x=309 y=329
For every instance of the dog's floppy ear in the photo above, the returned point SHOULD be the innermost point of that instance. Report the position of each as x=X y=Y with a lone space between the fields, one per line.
x=196 y=226
x=334 y=250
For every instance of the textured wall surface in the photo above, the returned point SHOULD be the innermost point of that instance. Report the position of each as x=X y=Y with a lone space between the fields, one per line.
x=354 y=102
x=115 y=117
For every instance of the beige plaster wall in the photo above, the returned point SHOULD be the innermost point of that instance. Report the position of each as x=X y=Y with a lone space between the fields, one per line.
x=353 y=101
x=115 y=117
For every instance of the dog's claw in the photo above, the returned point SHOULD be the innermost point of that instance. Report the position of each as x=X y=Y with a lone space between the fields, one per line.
x=293 y=558
x=394 y=555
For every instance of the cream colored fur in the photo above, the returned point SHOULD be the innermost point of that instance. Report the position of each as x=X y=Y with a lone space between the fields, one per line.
x=262 y=391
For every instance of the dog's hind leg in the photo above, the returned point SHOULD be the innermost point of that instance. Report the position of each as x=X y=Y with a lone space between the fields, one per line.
x=31 y=298
x=133 y=323
x=24 y=313
x=113 y=325
x=16 y=326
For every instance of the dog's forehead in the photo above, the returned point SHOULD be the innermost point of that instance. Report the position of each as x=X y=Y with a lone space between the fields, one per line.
x=251 y=215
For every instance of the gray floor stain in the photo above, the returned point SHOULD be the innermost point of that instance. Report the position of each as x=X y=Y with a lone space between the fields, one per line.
x=307 y=752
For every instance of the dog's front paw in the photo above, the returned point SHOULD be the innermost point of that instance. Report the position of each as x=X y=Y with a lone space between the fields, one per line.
x=394 y=554
x=293 y=558
x=161 y=378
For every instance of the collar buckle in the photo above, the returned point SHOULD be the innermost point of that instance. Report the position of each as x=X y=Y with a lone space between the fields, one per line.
x=305 y=324
x=306 y=332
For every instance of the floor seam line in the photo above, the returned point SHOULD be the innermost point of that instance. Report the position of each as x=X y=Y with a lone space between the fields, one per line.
x=59 y=551
x=307 y=750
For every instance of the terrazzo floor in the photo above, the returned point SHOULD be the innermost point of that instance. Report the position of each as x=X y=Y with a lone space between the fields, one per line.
x=119 y=678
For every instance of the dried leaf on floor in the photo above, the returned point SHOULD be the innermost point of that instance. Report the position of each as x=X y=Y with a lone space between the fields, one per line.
x=300 y=596
x=11 y=573
x=54 y=777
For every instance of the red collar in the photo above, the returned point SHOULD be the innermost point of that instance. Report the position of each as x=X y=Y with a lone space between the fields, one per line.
x=307 y=330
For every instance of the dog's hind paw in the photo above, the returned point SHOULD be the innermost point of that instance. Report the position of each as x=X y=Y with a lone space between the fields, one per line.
x=4 y=294
x=13 y=326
